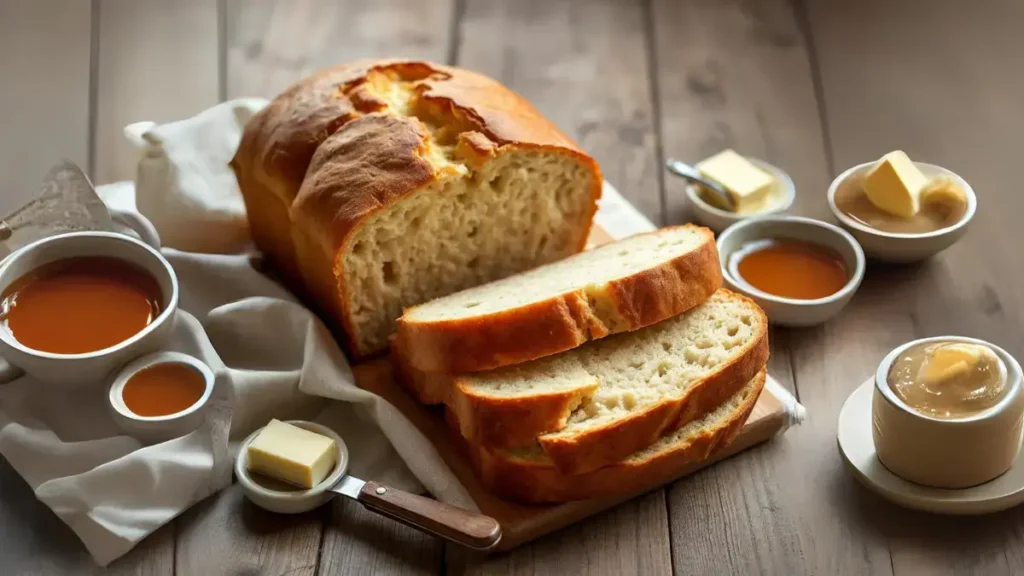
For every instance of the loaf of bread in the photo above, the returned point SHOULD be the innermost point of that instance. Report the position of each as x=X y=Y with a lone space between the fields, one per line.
x=614 y=288
x=529 y=478
x=379 y=185
x=594 y=405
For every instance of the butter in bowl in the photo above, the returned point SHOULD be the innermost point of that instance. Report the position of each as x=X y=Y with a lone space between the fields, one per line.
x=729 y=187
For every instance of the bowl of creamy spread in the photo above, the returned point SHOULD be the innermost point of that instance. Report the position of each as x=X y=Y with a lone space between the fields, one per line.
x=947 y=411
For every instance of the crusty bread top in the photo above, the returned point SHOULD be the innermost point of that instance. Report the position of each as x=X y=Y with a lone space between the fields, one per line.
x=614 y=288
x=409 y=119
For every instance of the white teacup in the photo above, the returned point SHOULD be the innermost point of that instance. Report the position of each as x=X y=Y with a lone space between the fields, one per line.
x=81 y=370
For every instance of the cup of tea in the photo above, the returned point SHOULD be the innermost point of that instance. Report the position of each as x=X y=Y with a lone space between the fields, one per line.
x=75 y=307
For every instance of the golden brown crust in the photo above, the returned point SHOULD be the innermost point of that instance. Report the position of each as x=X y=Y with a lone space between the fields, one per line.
x=332 y=150
x=564 y=321
x=523 y=481
x=502 y=423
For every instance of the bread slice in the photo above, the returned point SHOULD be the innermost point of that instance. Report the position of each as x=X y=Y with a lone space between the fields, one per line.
x=531 y=479
x=595 y=405
x=617 y=287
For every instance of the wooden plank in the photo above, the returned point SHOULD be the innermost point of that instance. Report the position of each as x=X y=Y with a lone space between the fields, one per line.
x=44 y=95
x=157 y=61
x=225 y=534
x=271 y=44
x=584 y=65
x=952 y=103
x=737 y=74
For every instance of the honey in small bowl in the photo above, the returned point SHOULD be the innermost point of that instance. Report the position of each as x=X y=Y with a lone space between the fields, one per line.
x=80 y=305
x=789 y=268
x=163 y=389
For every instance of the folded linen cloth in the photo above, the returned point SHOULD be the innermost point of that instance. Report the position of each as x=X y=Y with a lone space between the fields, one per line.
x=271 y=357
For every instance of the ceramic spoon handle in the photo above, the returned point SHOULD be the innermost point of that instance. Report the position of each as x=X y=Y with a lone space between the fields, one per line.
x=460 y=526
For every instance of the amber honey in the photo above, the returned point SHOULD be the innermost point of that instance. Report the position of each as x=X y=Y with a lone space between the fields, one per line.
x=80 y=305
x=792 y=269
x=163 y=389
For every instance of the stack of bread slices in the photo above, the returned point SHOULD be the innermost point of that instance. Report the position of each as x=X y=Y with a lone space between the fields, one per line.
x=596 y=375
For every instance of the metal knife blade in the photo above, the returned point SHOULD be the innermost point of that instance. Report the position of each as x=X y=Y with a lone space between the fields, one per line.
x=349 y=486
x=66 y=202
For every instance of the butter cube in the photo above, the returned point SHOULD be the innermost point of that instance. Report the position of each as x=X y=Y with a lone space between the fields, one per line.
x=747 y=185
x=894 y=185
x=951 y=361
x=292 y=454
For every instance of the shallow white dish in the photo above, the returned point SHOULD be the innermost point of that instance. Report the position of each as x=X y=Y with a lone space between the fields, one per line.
x=892 y=247
x=717 y=219
x=154 y=429
x=790 y=311
x=292 y=501
x=858 y=449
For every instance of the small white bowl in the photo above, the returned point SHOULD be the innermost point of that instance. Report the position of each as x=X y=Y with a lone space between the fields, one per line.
x=291 y=501
x=155 y=429
x=91 y=369
x=902 y=248
x=947 y=452
x=718 y=219
x=790 y=311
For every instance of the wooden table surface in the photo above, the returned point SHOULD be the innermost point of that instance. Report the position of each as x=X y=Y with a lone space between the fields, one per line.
x=813 y=87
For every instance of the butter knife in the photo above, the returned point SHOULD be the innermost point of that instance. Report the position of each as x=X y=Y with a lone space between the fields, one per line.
x=460 y=526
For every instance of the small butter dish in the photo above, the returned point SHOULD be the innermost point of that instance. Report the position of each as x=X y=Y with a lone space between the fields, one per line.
x=281 y=497
x=718 y=220
x=902 y=247
x=908 y=456
x=161 y=396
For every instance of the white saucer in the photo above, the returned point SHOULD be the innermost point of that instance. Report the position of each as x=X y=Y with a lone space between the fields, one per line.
x=858 y=449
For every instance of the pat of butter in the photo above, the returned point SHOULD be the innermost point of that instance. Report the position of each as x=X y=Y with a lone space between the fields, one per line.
x=748 y=185
x=292 y=454
x=951 y=361
x=943 y=193
x=894 y=185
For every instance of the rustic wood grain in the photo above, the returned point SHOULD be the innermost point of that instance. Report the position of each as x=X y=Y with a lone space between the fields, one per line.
x=273 y=43
x=739 y=74
x=584 y=65
x=44 y=93
x=225 y=534
x=936 y=82
x=157 y=61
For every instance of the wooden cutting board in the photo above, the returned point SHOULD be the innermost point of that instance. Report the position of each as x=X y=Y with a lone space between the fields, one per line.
x=521 y=523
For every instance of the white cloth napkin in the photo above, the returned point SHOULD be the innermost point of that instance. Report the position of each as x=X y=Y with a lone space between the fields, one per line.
x=272 y=358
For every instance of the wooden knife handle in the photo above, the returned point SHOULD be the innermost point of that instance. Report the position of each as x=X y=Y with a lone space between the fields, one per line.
x=455 y=524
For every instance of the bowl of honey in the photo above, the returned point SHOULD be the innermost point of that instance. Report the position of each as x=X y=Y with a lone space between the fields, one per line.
x=161 y=396
x=76 y=307
x=800 y=271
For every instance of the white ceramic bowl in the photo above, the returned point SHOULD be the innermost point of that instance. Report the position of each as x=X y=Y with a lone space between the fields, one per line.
x=92 y=368
x=154 y=429
x=947 y=453
x=291 y=501
x=789 y=311
x=717 y=219
x=893 y=247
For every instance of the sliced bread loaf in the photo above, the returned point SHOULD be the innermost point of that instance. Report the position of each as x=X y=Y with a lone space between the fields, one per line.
x=614 y=288
x=529 y=478
x=595 y=405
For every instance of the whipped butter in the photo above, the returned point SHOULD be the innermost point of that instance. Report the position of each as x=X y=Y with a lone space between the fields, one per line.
x=948 y=379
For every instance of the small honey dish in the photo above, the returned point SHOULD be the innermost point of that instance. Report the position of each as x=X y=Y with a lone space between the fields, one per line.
x=161 y=396
x=814 y=242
